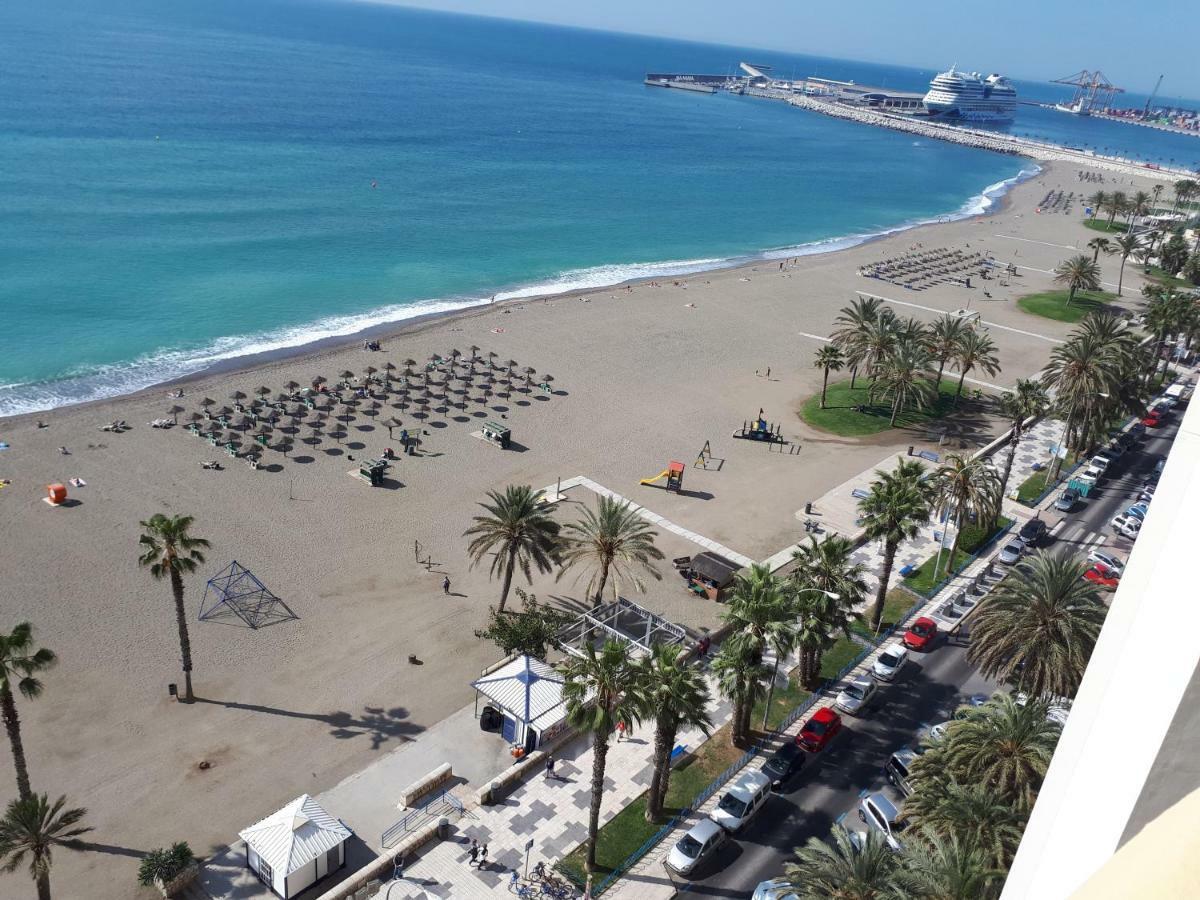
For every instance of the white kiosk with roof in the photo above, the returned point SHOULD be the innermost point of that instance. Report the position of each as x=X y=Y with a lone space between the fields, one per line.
x=527 y=694
x=296 y=847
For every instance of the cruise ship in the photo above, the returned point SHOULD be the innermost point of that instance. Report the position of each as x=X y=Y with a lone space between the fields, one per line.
x=971 y=96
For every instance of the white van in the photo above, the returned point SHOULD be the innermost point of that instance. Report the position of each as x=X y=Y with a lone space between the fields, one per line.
x=742 y=801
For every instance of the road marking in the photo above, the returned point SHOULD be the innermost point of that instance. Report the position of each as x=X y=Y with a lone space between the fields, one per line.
x=1010 y=237
x=1040 y=337
x=986 y=384
x=1051 y=272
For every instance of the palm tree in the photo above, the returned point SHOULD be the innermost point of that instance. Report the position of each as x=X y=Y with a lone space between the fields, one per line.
x=760 y=615
x=1028 y=400
x=676 y=696
x=895 y=508
x=947 y=868
x=940 y=805
x=841 y=871
x=944 y=337
x=1117 y=204
x=1184 y=189
x=829 y=586
x=740 y=675
x=903 y=377
x=829 y=359
x=518 y=531
x=1126 y=245
x=877 y=343
x=19 y=665
x=1099 y=245
x=610 y=542
x=1039 y=626
x=601 y=689
x=849 y=325
x=1097 y=202
x=964 y=489
x=170 y=551
x=1166 y=311
x=976 y=350
x=1082 y=373
x=1139 y=205
x=30 y=830
x=1078 y=274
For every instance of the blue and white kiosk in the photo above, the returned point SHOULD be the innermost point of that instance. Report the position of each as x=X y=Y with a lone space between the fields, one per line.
x=526 y=702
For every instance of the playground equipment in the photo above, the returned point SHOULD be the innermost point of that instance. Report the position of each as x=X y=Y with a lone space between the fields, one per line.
x=673 y=473
x=759 y=429
x=235 y=592
x=56 y=494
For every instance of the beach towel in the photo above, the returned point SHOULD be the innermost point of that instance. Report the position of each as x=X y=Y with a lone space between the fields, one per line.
x=3 y=446
x=77 y=482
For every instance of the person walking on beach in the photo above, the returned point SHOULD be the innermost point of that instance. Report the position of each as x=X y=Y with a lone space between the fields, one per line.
x=549 y=765
x=473 y=852
x=446 y=585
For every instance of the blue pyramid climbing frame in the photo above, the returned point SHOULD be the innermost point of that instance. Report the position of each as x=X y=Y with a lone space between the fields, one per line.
x=235 y=592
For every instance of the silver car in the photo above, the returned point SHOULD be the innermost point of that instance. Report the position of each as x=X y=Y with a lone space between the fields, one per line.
x=705 y=837
x=856 y=696
x=1011 y=552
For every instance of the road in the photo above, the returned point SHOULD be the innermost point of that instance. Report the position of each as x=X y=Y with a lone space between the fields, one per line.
x=930 y=688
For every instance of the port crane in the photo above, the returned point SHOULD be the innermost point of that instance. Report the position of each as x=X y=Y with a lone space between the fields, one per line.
x=1150 y=99
x=1092 y=90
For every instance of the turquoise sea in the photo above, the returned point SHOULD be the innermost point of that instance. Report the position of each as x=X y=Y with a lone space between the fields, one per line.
x=188 y=182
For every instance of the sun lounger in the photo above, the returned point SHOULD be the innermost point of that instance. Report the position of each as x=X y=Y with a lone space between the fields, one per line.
x=860 y=493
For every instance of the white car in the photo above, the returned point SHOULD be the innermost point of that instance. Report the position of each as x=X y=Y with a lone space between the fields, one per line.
x=1126 y=526
x=890 y=661
x=775 y=889
x=938 y=731
x=1091 y=475
x=704 y=839
x=856 y=696
x=1107 y=560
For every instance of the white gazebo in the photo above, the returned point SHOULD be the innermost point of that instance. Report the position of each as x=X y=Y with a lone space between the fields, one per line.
x=296 y=847
x=528 y=693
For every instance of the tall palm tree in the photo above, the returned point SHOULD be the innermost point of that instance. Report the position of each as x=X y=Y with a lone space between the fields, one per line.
x=1039 y=627
x=1126 y=245
x=829 y=359
x=613 y=543
x=19 y=665
x=1117 y=204
x=903 y=377
x=829 y=586
x=170 y=551
x=740 y=678
x=1184 y=189
x=1078 y=274
x=965 y=489
x=944 y=337
x=601 y=689
x=976 y=350
x=1099 y=245
x=878 y=342
x=1081 y=373
x=896 y=506
x=1139 y=205
x=1166 y=313
x=848 y=329
x=676 y=696
x=518 y=531
x=30 y=830
x=1098 y=202
x=1028 y=400
x=841 y=871
x=947 y=868
x=943 y=805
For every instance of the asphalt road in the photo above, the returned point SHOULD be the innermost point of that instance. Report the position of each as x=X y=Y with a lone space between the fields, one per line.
x=928 y=690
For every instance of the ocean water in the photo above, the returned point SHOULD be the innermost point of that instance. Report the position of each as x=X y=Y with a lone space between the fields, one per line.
x=188 y=182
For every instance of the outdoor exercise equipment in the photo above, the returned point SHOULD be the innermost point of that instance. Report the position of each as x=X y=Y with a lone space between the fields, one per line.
x=673 y=473
x=235 y=591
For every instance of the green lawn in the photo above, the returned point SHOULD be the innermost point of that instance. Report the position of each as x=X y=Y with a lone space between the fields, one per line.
x=1101 y=224
x=930 y=572
x=896 y=603
x=839 y=656
x=783 y=701
x=1033 y=486
x=1163 y=277
x=840 y=415
x=1053 y=304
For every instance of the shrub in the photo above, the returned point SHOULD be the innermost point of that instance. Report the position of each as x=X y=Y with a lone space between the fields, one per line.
x=165 y=864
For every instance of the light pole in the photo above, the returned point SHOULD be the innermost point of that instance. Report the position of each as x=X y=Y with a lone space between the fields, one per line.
x=832 y=595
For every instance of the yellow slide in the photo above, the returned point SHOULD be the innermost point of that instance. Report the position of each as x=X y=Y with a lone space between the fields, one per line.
x=659 y=477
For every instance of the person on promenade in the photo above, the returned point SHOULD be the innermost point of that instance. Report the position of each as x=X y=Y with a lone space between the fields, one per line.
x=473 y=852
x=549 y=765
x=483 y=857
x=446 y=585
x=620 y=731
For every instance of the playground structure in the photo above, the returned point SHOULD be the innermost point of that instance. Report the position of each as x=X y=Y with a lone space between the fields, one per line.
x=673 y=473
x=235 y=591
x=759 y=429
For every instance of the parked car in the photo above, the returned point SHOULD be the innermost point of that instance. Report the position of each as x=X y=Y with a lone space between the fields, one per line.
x=819 y=730
x=1065 y=502
x=938 y=731
x=775 y=889
x=1126 y=526
x=1126 y=440
x=880 y=813
x=1138 y=430
x=890 y=661
x=742 y=800
x=1165 y=402
x=1102 y=576
x=699 y=844
x=1102 y=460
x=921 y=634
x=1010 y=552
x=1091 y=475
x=1153 y=418
x=855 y=696
x=1114 y=451
x=897 y=768
x=784 y=764
x=1109 y=561
x=1139 y=509
x=1032 y=532
x=1147 y=493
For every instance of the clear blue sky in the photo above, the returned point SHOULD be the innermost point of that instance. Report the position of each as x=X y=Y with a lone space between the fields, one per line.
x=1132 y=43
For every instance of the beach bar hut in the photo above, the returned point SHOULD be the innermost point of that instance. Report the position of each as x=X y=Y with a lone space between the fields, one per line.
x=296 y=847
x=526 y=705
x=710 y=574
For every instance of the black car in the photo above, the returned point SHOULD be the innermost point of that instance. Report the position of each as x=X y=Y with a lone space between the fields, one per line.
x=787 y=761
x=1032 y=532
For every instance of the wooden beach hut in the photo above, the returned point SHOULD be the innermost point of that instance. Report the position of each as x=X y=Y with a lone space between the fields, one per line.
x=710 y=574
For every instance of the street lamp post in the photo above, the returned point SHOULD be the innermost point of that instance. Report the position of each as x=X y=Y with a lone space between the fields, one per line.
x=775 y=671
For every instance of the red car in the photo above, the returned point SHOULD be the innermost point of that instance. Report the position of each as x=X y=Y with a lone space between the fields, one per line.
x=921 y=634
x=819 y=730
x=1102 y=576
x=1152 y=419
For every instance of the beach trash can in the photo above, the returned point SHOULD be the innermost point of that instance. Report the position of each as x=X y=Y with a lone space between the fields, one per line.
x=443 y=828
x=57 y=494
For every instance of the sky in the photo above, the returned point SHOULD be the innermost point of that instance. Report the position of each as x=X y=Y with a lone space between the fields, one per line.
x=1036 y=40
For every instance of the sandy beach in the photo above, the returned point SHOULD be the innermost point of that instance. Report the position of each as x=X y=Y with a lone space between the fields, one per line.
x=642 y=375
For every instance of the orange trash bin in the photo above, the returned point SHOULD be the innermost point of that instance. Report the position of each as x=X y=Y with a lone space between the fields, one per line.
x=58 y=493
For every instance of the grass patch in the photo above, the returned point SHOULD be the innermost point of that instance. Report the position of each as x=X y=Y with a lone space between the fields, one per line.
x=783 y=700
x=628 y=829
x=1166 y=279
x=1102 y=225
x=839 y=656
x=1053 y=304
x=930 y=572
x=1035 y=485
x=896 y=603
x=842 y=413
